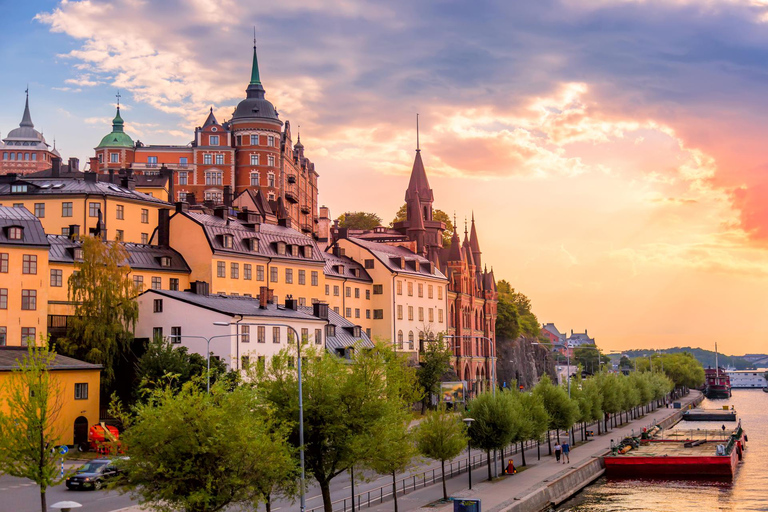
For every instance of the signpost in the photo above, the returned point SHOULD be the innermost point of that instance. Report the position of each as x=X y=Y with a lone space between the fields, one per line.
x=63 y=451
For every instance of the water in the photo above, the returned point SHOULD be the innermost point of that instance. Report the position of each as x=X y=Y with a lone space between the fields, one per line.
x=748 y=491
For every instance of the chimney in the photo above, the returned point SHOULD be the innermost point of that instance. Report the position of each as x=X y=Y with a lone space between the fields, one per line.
x=8 y=178
x=291 y=303
x=199 y=287
x=55 y=167
x=221 y=212
x=127 y=181
x=227 y=196
x=94 y=163
x=112 y=176
x=265 y=297
x=163 y=228
x=286 y=222
x=191 y=198
x=74 y=231
x=181 y=206
x=320 y=310
x=90 y=176
x=168 y=173
x=74 y=164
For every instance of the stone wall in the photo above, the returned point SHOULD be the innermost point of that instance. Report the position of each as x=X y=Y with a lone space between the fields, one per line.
x=522 y=361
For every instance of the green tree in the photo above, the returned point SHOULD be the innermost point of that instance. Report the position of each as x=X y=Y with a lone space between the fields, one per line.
x=105 y=306
x=435 y=362
x=515 y=316
x=393 y=449
x=441 y=436
x=495 y=422
x=197 y=452
x=534 y=420
x=590 y=358
x=438 y=215
x=562 y=411
x=359 y=220
x=28 y=421
x=610 y=391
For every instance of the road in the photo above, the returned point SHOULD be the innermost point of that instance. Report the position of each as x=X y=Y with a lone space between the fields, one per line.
x=21 y=495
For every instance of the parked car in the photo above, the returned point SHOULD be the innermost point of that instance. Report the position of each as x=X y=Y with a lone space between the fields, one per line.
x=93 y=475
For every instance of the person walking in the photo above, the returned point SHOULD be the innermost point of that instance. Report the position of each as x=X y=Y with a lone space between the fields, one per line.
x=566 y=453
x=558 y=449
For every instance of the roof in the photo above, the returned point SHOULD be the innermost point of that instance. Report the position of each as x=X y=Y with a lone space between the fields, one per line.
x=344 y=337
x=117 y=138
x=11 y=356
x=255 y=105
x=70 y=186
x=140 y=256
x=350 y=268
x=390 y=256
x=26 y=130
x=210 y=120
x=33 y=233
x=419 y=185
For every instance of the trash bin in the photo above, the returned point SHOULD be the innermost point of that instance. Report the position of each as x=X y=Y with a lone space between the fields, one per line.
x=466 y=505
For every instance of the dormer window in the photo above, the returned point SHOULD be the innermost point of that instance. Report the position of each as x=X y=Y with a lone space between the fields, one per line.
x=356 y=272
x=227 y=241
x=339 y=269
x=307 y=251
x=357 y=331
x=19 y=188
x=281 y=248
x=15 y=233
x=77 y=253
x=295 y=251
x=165 y=261
x=330 y=331
x=253 y=244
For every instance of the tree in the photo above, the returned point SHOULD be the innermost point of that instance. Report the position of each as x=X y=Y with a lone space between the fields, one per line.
x=359 y=220
x=625 y=362
x=438 y=215
x=495 y=422
x=562 y=411
x=441 y=436
x=28 y=421
x=393 y=450
x=105 y=306
x=533 y=420
x=346 y=402
x=589 y=357
x=435 y=362
x=197 y=452
x=514 y=315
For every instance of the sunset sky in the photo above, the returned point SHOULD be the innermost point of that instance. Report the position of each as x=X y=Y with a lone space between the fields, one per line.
x=613 y=151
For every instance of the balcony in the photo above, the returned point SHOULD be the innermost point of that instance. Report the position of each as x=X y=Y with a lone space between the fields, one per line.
x=140 y=166
x=291 y=196
x=305 y=209
x=291 y=178
x=306 y=227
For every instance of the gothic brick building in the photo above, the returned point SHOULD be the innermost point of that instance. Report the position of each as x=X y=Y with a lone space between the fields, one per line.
x=228 y=162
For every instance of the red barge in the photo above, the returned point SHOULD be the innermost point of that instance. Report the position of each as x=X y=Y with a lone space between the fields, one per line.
x=678 y=453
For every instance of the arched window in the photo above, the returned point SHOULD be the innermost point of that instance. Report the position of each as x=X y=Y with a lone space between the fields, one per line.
x=400 y=340
x=410 y=340
x=452 y=317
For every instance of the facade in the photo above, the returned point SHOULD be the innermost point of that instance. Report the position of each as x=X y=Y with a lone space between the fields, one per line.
x=79 y=386
x=348 y=289
x=748 y=378
x=247 y=330
x=556 y=338
x=24 y=150
x=253 y=150
x=577 y=339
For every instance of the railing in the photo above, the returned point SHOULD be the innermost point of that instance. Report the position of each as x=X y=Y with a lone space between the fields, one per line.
x=144 y=165
x=291 y=196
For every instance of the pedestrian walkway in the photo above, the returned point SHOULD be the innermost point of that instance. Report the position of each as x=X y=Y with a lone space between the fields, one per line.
x=502 y=493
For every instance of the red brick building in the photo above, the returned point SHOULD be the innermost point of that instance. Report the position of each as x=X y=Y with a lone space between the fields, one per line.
x=24 y=149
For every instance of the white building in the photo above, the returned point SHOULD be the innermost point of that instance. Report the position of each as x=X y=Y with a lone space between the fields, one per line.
x=241 y=331
x=747 y=378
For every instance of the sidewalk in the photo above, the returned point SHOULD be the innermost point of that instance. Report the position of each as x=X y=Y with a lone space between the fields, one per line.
x=502 y=493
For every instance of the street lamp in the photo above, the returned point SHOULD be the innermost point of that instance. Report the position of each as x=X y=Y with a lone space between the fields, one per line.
x=468 y=422
x=207 y=348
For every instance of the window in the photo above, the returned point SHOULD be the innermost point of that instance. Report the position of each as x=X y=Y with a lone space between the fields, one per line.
x=15 y=233
x=368 y=263
x=399 y=311
x=440 y=314
x=410 y=313
x=357 y=312
x=347 y=291
x=27 y=336
x=275 y=335
x=254 y=179
x=327 y=289
x=273 y=275
x=421 y=290
x=368 y=314
x=101 y=158
x=314 y=278
x=4 y=262
x=367 y=294
x=234 y=270
x=335 y=290
x=261 y=334
x=378 y=289
x=213 y=178
x=289 y=276
x=213 y=140
x=214 y=196
x=410 y=340
x=302 y=277
x=183 y=162
x=439 y=293
x=173 y=284
x=3 y=298
x=270 y=140
x=255 y=161
x=207 y=159
x=138 y=283
x=259 y=272
x=318 y=336
x=157 y=283
x=378 y=314
x=271 y=179
x=410 y=289
x=330 y=331
x=81 y=391
x=66 y=209
x=348 y=313
x=221 y=269
x=114 y=158
x=399 y=287
x=400 y=340
x=219 y=159
x=29 y=300
x=165 y=261
x=40 y=210
x=245 y=362
x=271 y=160
x=429 y=291
x=157 y=306
x=151 y=161
x=120 y=235
x=254 y=140
x=421 y=314
x=3 y=336
x=183 y=178
x=431 y=316
x=304 y=335
x=245 y=333
x=56 y=278
x=157 y=333
x=144 y=216
x=93 y=209
x=29 y=264
x=144 y=238
x=247 y=271
x=357 y=293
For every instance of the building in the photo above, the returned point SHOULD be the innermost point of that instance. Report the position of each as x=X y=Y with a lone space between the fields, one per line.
x=748 y=378
x=348 y=289
x=556 y=338
x=577 y=339
x=244 y=330
x=24 y=150
x=251 y=151
x=79 y=387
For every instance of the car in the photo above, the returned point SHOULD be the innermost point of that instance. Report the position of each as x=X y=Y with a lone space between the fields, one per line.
x=93 y=475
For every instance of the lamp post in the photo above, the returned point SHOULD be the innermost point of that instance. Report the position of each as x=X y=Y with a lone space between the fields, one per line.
x=207 y=349
x=468 y=422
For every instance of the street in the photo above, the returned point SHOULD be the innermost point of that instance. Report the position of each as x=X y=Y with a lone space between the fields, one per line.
x=21 y=495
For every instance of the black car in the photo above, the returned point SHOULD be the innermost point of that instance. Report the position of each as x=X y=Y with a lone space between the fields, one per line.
x=92 y=475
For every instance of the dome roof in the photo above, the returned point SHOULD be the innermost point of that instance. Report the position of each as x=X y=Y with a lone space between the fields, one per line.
x=255 y=105
x=26 y=131
x=117 y=138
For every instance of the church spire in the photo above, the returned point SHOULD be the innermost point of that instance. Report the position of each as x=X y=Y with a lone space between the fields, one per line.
x=255 y=79
x=26 y=119
x=474 y=244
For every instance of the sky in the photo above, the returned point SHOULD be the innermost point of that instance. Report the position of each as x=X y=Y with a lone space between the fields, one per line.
x=612 y=151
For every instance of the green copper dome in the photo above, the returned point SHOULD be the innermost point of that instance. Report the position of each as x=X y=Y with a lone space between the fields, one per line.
x=118 y=138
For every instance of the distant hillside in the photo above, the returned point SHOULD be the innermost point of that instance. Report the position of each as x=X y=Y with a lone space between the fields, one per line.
x=705 y=357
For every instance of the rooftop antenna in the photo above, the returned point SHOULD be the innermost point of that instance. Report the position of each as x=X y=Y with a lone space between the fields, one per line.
x=417 y=132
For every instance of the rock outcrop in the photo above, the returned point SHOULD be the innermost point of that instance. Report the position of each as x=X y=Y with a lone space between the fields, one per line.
x=522 y=361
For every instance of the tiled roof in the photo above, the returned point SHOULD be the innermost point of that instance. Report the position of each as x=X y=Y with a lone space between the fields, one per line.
x=344 y=332
x=390 y=256
x=33 y=233
x=140 y=256
x=68 y=186
x=11 y=356
x=350 y=268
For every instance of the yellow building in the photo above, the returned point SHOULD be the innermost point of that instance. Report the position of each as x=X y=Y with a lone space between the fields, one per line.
x=348 y=289
x=117 y=211
x=78 y=385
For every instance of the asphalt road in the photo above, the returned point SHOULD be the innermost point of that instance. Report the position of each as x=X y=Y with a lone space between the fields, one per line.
x=21 y=495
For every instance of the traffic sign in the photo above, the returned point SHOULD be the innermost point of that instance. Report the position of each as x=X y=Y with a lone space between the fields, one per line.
x=63 y=449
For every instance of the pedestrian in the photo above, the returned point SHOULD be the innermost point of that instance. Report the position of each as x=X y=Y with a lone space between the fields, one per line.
x=558 y=449
x=566 y=453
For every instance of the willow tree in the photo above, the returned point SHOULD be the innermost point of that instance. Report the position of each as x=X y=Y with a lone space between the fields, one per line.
x=105 y=305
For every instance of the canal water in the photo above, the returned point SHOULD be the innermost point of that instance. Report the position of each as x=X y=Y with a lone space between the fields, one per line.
x=748 y=491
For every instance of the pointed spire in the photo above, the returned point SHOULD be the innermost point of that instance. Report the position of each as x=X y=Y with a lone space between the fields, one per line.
x=26 y=119
x=211 y=119
x=419 y=185
x=417 y=132
x=474 y=243
x=298 y=139
x=255 y=79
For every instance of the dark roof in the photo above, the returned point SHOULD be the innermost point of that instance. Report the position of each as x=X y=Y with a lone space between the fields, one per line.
x=210 y=120
x=140 y=256
x=391 y=255
x=419 y=185
x=350 y=268
x=68 y=186
x=33 y=233
x=268 y=236
x=11 y=356
x=344 y=337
